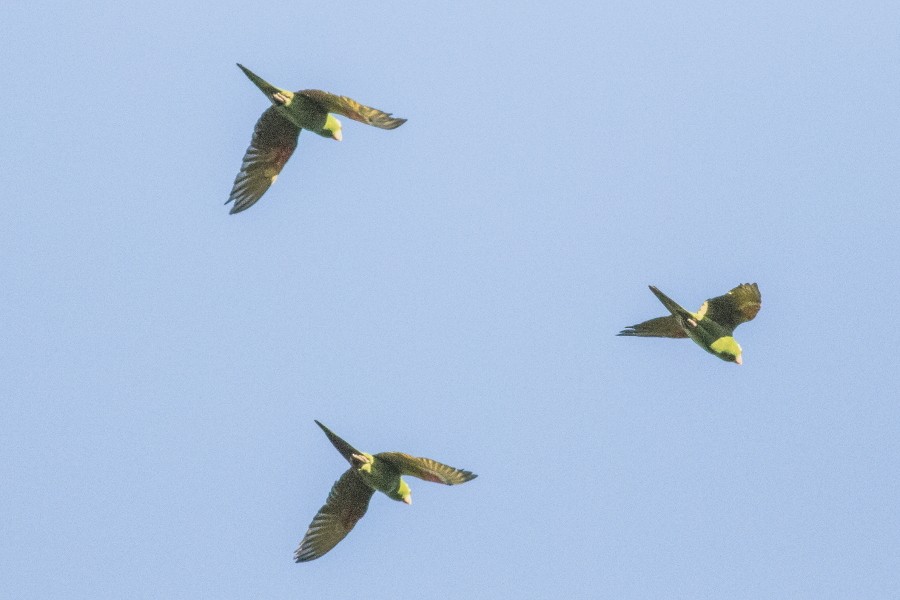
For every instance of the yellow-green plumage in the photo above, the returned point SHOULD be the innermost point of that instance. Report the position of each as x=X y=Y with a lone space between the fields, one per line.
x=350 y=495
x=711 y=327
x=276 y=132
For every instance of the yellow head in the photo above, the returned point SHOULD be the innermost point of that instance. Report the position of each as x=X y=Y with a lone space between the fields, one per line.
x=727 y=349
x=332 y=128
x=402 y=493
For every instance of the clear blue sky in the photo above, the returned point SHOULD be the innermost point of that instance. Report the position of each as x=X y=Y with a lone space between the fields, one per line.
x=451 y=289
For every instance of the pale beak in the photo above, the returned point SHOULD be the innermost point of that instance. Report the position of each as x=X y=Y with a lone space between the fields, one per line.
x=739 y=360
x=337 y=135
x=407 y=500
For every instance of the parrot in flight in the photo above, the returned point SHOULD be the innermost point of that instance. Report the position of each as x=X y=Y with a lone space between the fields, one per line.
x=275 y=136
x=350 y=495
x=711 y=326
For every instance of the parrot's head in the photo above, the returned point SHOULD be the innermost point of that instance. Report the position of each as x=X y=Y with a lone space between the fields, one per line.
x=332 y=127
x=727 y=349
x=402 y=493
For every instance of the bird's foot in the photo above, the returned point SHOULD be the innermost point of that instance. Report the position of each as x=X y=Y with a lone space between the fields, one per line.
x=362 y=462
x=280 y=98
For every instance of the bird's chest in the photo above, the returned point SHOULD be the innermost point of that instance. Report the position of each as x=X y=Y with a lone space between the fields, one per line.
x=380 y=476
x=702 y=330
x=304 y=113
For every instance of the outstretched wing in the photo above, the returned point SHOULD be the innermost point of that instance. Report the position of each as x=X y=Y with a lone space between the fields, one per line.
x=274 y=140
x=427 y=469
x=352 y=109
x=737 y=306
x=346 y=504
x=660 y=327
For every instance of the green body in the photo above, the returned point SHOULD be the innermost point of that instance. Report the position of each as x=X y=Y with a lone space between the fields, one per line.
x=379 y=474
x=278 y=129
x=383 y=476
x=711 y=327
x=350 y=495
x=297 y=108
x=306 y=114
x=706 y=333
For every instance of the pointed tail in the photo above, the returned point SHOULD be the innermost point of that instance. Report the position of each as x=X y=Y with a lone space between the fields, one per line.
x=346 y=450
x=267 y=88
x=673 y=306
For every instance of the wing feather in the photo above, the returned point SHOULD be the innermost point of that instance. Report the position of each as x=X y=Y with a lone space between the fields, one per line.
x=427 y=469
x=352 y=109
x=273 y=143
x=737 y=306
x=346 y=504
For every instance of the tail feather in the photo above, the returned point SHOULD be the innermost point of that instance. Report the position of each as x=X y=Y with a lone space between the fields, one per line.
x=670 y=304
x=667 y=326
x=346 y=450
x=264 y=86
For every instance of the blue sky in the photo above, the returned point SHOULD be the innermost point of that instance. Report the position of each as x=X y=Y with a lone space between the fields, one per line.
x=451 y=289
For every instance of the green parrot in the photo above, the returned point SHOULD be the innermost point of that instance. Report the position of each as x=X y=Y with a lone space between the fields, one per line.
x=350 y=495
x=711 y=326
x=275 y=136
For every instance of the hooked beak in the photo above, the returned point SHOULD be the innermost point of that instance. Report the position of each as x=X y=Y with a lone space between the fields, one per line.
x=738 y=359
x=407 y=500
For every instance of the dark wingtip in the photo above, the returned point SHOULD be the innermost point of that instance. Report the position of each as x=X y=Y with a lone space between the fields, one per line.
x=467 y=476
x=389 y=123
x=234 y=209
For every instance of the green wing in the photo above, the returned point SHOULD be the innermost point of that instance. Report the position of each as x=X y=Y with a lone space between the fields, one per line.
x=427 y=469
x=352 y=109
x=274 y=140
x=660 y=327
x=346 y=504
x=737 y=306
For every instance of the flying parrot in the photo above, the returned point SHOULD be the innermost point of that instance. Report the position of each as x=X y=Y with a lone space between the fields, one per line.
x=711 y=326
x=275 y=136
x=350 y=495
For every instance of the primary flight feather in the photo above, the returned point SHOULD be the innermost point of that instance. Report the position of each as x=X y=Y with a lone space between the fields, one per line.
x=276 y=132
x=711 y=327
x=350 y=495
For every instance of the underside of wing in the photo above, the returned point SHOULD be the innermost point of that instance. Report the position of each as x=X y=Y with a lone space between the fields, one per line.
x=352 y=109
x=427 y=469
x=346 y=504
x=660 y=327
x=274 y=140
x=737 y=306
